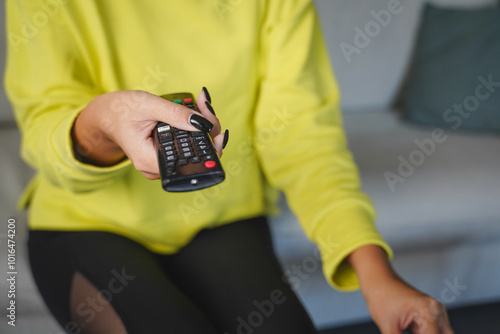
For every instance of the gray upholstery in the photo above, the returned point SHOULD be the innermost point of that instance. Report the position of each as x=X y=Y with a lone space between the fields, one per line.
x=443 y=221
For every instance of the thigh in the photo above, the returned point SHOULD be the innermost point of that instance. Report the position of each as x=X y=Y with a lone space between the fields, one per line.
x=126 y=275
x=232 y=274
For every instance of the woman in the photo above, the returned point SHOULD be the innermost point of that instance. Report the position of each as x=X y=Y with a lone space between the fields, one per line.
x=110 y=251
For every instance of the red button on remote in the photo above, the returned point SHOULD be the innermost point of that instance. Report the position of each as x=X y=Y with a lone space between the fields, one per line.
x=210 y=164
x=188 y=100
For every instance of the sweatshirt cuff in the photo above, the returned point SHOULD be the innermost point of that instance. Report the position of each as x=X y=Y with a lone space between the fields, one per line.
x=340 y=236
x=70 y=172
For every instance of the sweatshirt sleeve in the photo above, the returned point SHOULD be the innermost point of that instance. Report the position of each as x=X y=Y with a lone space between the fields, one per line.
x=301 y=144
x=48 y=84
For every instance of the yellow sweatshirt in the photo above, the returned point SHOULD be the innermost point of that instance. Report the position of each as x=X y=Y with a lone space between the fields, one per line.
x=268 y=72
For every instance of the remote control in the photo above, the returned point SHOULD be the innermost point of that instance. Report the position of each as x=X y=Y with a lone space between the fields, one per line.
x=187 y=159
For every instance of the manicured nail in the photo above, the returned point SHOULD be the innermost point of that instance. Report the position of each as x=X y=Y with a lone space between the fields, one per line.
x=200 y=123
x=226 y=138
x=209 y=106
x=207 y=95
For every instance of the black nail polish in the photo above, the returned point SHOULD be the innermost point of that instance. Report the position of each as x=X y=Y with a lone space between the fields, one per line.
x=207 y=95
x=200 y=123
x=209 y=106
x=226 y=138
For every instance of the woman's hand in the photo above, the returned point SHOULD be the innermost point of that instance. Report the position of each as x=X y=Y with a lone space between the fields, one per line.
x=393 y=304
x=119 y=124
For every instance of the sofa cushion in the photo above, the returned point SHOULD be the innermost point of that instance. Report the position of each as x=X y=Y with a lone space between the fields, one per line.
x=447 y=194
x=443 y=220
x=446 y=191
x=454 y=80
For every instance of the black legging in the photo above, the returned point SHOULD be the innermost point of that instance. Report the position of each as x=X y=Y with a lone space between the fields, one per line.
x=227 y=280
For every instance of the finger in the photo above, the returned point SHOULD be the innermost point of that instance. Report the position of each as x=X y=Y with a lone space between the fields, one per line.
x=207 y=94
x=144 y=158
x=177 y=115
x=226 y=139
x=447 y=329
x=218 y=143
x=424 y=323
x=208 y=112
x=425 y=327
x=444 y=324
x=389 y=329
x=150 y=176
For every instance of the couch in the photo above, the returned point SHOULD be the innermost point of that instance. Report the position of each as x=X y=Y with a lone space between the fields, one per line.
x=437 y=193
x=442 y=216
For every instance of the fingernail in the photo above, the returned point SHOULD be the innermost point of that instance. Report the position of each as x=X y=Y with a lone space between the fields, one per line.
x=209 y=106
x=200 y=123
x=226 y=138
x=207 y=95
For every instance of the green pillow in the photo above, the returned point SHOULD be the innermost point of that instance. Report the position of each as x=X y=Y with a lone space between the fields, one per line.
x=454 y=80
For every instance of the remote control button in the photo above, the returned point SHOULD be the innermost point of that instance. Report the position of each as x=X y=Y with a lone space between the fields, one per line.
x=165 y=137
x=165 y=128
x=183 y=140
x=201 y=142
x=204 y=152
x=178 y=101
x=195 y=160
x=169 y=152
x=170 y=164
x=171 y=158
x=210 y=164
x=208 y=157
x=183 y=162
x=187 y=154
x=169 y=147
x=189 y=105
x=182 y=135
x=170 y=171
x=186 y=149
x=197 y=133
x=184 y=145
x=199 y=138
x=188 y=100
x=203 y=147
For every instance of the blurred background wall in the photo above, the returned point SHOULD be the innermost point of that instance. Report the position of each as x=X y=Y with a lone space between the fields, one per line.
x=372 y=77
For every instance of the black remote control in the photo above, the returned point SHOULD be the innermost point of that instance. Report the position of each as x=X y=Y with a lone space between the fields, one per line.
x=188 y=160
